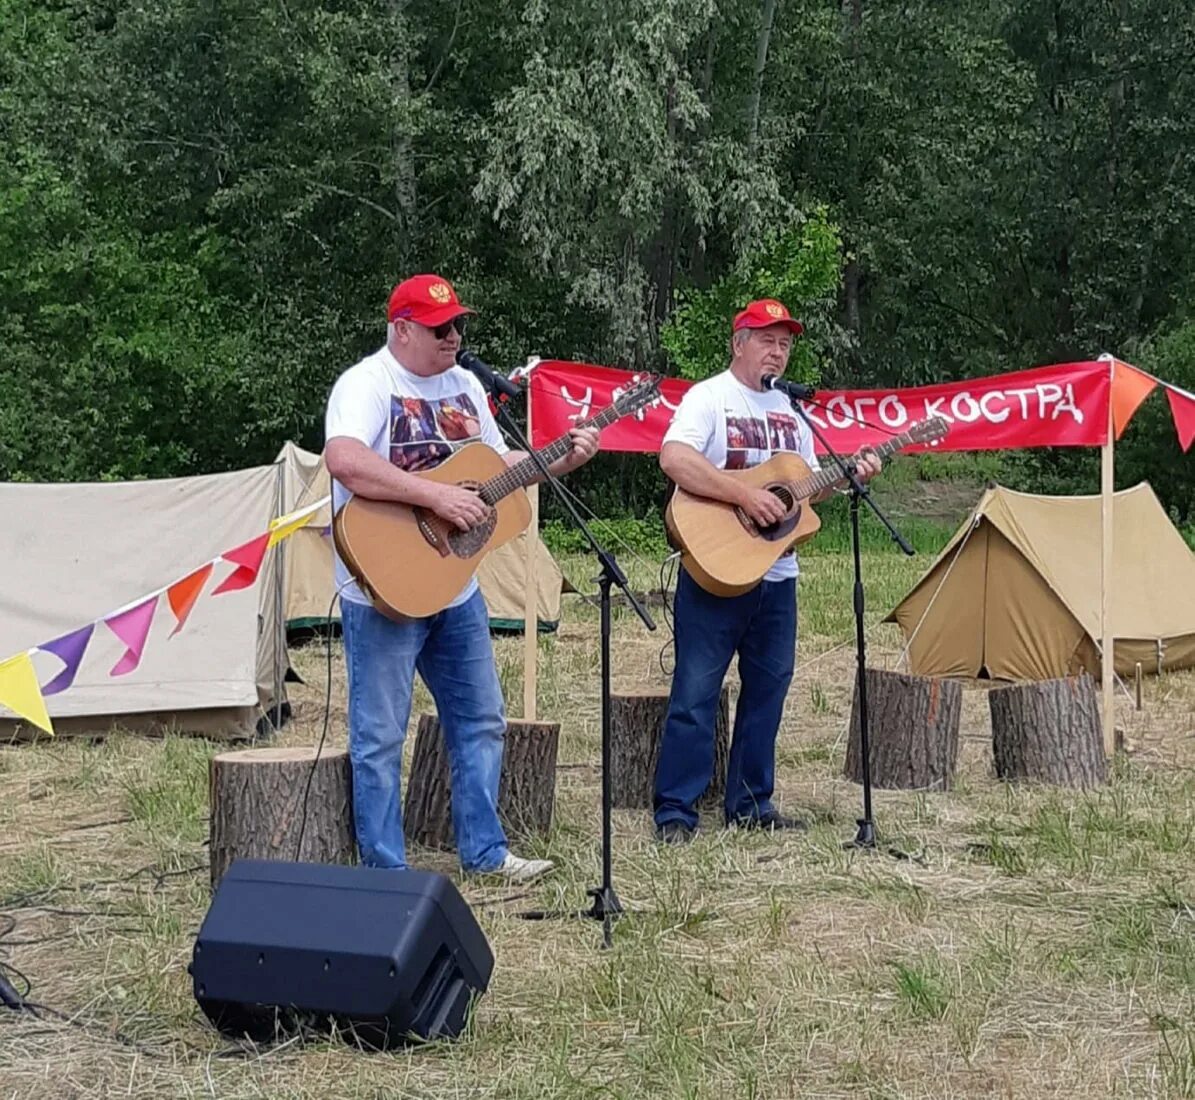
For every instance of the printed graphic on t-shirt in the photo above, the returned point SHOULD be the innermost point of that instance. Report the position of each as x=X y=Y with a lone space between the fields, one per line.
x=424 y=433
x=749 y=441
x=746 y=437
x=782 y=431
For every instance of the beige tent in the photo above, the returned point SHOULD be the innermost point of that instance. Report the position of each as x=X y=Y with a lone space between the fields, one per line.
x=74 y=553
x=308 y=559
x=1016 y=593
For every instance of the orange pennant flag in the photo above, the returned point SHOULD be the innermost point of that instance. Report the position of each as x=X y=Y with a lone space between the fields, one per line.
x=183 y=594
x=247 y=558
x=1129 y=388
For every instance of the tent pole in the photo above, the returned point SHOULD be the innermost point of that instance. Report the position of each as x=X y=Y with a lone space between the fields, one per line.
x=1107 y=643
x=531 y=594
x=279 y=606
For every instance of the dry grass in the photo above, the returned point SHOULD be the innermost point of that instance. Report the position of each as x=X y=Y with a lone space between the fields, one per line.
x=1041 y=945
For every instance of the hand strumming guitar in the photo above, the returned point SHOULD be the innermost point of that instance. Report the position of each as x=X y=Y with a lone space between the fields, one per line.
x=462 y=507
x=763 y=507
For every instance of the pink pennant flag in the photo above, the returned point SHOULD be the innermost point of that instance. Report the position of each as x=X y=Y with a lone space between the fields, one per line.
x=1182 y=408
x=132 y=628
x=247 y=558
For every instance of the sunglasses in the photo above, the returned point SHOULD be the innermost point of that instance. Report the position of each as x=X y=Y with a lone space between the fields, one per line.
x=441 y=331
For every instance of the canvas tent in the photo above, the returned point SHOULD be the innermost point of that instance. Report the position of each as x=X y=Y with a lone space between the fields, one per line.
x=74 y=553
x=1015 y=595
x=308 y=559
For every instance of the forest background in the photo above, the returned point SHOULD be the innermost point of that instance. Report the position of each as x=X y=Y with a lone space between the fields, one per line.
x=204 y=205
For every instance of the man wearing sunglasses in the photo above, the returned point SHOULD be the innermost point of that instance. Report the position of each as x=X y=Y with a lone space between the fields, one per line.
x=399 y=411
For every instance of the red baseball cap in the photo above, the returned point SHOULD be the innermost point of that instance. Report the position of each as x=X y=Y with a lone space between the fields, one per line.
x=425 y=299
x=764 y=312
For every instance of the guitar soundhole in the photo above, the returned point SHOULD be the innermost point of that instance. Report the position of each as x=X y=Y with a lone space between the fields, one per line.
x=465 y=544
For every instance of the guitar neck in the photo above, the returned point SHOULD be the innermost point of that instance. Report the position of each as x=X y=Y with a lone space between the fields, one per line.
x=830 y=477
x=527 y=471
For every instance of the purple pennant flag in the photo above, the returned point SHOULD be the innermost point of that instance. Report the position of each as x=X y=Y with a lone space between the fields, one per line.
x=68 y=649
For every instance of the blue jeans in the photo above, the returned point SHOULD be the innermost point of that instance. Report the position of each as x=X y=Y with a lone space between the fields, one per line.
x=761 y=626
x=452 y=652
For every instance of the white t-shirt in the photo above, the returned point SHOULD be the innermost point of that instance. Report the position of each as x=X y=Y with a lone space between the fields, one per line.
x=412 y=421
x=736 y=427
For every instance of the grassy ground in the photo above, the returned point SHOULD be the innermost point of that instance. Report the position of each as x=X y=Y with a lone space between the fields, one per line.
x=1041 y=944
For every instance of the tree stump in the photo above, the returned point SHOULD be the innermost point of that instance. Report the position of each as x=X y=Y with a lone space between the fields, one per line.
x=636 y=726
x=526 y=794
x=912 y=725
x=257 y=807
x=1049 y=732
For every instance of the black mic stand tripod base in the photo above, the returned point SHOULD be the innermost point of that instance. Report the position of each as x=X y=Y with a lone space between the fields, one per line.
x=865 y=837
x=606 y=906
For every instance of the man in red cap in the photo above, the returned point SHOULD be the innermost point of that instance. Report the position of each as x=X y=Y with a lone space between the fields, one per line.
x=731 y=422
x=399 y=411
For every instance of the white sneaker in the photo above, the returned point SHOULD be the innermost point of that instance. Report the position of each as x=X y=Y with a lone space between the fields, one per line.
x=515 y=869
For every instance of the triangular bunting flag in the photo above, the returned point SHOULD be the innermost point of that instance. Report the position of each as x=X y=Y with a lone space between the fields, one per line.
x=1182 y=408
x=69 y=649
x=285 y=526
x=280 y=533
x=132 y=628
x=1129 y=388
x=182 y=595
x=20 y=693
x=247 y=558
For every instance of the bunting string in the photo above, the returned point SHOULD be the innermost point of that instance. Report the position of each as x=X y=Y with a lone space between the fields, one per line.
x=20 y=691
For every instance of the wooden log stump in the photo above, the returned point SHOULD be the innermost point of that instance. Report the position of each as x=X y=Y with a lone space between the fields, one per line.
x=912 y=725
x=1049 y=732
x=257 y=807
x=526 y=794
x=636 y=726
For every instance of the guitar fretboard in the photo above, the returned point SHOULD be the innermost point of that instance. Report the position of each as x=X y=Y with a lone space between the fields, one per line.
x=831 y=476
x=525 y=472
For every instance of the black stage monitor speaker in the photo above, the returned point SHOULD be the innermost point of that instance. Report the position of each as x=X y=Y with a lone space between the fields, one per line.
x=385 y=956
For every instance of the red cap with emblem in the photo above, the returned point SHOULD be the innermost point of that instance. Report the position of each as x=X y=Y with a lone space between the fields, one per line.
x=767 y=311
x=425 y=299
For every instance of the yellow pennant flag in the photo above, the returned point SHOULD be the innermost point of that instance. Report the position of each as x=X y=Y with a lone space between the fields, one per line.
x=20 y=692
x=284 y=526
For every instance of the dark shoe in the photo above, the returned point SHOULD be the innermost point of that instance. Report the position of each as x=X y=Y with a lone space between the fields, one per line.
x=773 y=822
x=674 y=832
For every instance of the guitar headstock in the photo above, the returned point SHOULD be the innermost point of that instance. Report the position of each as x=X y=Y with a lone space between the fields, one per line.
x=641 y=394
x=929 y=430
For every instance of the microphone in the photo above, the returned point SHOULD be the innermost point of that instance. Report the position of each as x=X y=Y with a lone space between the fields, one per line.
x=490 y=378
x=797 y=391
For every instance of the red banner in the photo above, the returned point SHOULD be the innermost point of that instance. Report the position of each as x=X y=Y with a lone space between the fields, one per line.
x=1058 y=406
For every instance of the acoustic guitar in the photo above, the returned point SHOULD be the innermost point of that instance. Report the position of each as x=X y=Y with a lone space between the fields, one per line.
x=410 y=562
x=726 y=552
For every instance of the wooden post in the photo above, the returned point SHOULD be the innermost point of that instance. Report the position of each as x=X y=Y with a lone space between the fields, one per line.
x=913 y=722
x=636 y=725
x=1138 y=685
x=1049 y=732
x=257 y=808
x=531 y=594
x=526 y=794
x=1107 y=642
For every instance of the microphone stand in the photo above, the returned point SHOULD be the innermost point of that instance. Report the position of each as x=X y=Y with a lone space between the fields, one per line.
x=865 y=837
x=606 y=906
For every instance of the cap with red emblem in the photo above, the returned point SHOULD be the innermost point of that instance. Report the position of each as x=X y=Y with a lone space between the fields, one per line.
x=765 y=312
x=425 y=299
